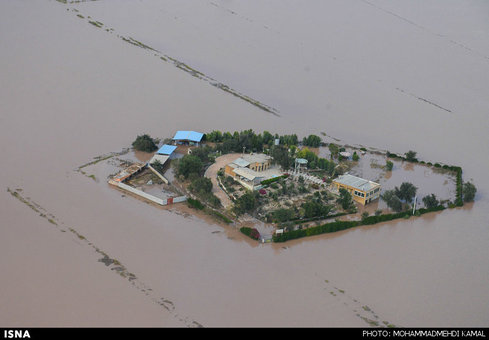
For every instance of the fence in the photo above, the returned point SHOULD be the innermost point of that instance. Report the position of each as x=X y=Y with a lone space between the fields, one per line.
x=152 y=198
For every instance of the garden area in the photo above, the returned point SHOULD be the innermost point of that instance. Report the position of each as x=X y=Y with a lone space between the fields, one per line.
x=303 y=201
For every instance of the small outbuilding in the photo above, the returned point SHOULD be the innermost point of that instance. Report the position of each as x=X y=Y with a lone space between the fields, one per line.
x=166 y=150
x=163 y=154
x=188 y=138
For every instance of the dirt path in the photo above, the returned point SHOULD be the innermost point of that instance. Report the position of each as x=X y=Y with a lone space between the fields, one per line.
x=211 y=173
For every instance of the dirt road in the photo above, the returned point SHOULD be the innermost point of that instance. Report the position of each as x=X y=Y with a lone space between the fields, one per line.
x=211 y=173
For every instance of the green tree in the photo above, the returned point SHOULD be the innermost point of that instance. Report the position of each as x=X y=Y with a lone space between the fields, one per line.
x=430 y=201
x=281 y=156
x=406 y=192
x=202 y=153
x=389 y=165
x=334 y=149
x=189 y=164
x=392 y=201
x=214 y=136
x=201 y=185
x=282 y=215
x=345 y=199
x=410 y=156
x=312 y=141
x=312 y=158
x=144 y=143
x=246 y=203
x=289 y=139
x=469 y=191
x=355 y=156
x=268 y=138
x=314 y=209
x=157 y=166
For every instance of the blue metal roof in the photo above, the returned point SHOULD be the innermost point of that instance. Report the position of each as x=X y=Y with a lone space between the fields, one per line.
x=166 y=149
x=188 y=135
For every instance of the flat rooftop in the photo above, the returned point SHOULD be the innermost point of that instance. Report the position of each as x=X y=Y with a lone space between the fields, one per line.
x=256 y=158
x=356 y=182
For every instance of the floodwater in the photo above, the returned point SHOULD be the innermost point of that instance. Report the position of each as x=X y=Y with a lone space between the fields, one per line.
x=396 y=76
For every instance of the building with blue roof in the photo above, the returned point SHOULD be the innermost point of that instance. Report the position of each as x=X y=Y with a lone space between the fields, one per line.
x=188 y=137
x=166 y=150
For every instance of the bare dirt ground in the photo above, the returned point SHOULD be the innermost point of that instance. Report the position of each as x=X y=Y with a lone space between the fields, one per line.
x=211 y=173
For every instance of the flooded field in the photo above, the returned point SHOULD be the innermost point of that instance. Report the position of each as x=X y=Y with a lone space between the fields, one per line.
x=81 y=80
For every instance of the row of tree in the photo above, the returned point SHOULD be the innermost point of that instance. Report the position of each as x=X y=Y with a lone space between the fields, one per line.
x=399 y=197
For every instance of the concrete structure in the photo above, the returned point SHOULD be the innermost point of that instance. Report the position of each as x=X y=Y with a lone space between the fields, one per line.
x=119 y=179
x=188 y=138
x=251 y=169
x=300 y=163
x=128 y=172
x=163 y=154
x=363 y=191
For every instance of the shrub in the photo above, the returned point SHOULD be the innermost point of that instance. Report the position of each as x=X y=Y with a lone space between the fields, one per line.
x=195 y=204
x=247 y=202
x=201 y=185
x=345 y=199
x=274 y=179
x=389 y=165
x=251 y=232
x=430 y=201
x=469 y=191
x=392 y=200
x=220 y=216
x=189 y=164
x=321 y=229
x=157 y=166
x=312 y=141
x=144 y=143
x=282 y=215
x=411 y=156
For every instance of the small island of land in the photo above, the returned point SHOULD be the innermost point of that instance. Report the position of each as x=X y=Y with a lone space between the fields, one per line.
x=289 y=188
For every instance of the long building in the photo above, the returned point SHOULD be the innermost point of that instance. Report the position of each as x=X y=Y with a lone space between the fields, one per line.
x=188 y=138
x=362 y=190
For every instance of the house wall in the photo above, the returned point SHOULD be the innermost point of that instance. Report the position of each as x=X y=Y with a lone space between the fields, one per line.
x=357 y=194
x=229 y=171
x=260 y=166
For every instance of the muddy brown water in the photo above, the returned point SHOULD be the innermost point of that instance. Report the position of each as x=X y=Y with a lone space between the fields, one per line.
x=68 y=95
